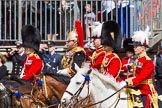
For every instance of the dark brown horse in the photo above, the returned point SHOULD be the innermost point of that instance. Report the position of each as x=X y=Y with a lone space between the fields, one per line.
x=10 y=98
x=52 y=85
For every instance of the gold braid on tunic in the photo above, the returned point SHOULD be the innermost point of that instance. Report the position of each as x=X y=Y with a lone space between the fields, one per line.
x=64 y=61
x=105 y=65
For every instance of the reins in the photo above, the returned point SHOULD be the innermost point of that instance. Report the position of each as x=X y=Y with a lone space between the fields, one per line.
x=102 y=100
x=40 y=83
x=87 y=78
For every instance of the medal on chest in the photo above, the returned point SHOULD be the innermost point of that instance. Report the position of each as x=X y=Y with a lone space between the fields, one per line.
x=29 y=62
x=106 y=60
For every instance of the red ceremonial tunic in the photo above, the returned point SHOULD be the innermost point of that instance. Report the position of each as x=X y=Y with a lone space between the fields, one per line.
x=32 y=64
x=143 y=77
x=97 y=57
x=126 y=61
x=111 y=65
x=88 y=54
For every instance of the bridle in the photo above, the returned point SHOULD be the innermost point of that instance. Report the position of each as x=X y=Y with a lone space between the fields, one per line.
x=76 y=94
x=74 y=98
x=41 y=87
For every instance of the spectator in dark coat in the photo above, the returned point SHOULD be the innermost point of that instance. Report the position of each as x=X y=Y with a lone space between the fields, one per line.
x=3 y=68
x=17 y=57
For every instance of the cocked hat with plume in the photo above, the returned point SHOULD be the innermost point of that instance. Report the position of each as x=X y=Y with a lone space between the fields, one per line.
x=31 y=37
x=77 y=34
x=111 y=34
x=141 y=38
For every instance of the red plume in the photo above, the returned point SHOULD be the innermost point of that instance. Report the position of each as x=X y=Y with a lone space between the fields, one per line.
x=80 y=32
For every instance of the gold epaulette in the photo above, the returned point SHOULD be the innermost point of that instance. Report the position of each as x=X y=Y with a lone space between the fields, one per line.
x=34 y=54
x=78 y=49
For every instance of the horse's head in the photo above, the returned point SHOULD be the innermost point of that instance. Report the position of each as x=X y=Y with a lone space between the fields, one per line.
x=78 y=87
x=37 y=89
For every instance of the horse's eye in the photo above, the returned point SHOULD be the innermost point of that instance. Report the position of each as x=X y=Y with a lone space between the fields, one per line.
x=78 y=83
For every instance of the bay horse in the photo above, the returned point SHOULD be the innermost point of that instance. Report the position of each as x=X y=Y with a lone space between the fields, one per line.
x=104 y=91
x=47 y=86
x=9 y=98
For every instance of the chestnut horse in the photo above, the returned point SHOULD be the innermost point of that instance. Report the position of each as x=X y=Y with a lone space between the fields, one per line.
x=47 y=86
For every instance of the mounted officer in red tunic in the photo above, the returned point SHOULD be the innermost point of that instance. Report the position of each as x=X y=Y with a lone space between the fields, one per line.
x=111 y=39
x=143 y=69
x=33 y=63
x=99 y=52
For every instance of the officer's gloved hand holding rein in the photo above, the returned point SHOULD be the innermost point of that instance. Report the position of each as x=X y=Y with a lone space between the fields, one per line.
x=64 y=72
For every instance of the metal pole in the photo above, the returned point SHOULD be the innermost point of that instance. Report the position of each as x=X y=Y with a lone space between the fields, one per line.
x=160 y=14
x=19 y=20
x=131 y=18
x=0 y=19
x=151 y=20
x=75 y=10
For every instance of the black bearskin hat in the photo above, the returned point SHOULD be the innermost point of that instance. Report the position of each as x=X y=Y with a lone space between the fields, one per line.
x=111 y=35
x=127 y=45
x=31 y=37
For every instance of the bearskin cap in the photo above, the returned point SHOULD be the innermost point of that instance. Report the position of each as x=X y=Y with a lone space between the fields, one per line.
x=31 y=37
x=127 y=45
x=111 y=34
x=141 y=38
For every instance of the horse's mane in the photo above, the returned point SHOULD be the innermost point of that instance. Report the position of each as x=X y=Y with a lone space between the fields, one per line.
x=108 y=79
x=11 y=84
x=60 y=78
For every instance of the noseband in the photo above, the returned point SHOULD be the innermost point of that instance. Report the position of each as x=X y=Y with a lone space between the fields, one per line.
x=77 y=93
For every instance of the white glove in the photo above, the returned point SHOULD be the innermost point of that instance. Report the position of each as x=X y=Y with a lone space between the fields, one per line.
x=123 y=84
x=64 y=72
x=2 y=87
x=21 y=76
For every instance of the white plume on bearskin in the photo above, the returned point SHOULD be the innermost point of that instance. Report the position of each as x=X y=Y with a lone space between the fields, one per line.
x=142 y=37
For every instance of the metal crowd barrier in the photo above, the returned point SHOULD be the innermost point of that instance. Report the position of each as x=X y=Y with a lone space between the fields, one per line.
x=55 y=21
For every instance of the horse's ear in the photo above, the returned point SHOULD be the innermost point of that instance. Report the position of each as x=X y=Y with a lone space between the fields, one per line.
x=76 y=67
